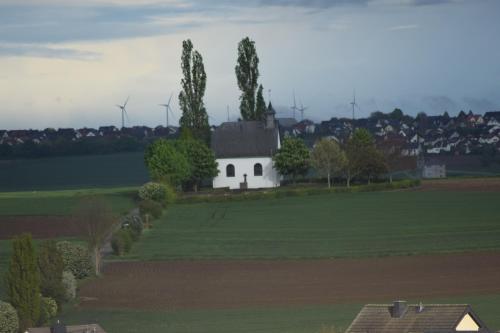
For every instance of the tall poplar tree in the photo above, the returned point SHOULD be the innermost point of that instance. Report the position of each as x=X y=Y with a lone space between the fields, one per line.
x=260 y=107
x=194 y=115
x=23 y=282
x=247 y=74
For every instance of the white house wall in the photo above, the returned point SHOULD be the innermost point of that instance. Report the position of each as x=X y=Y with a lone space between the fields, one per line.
x=269 y=178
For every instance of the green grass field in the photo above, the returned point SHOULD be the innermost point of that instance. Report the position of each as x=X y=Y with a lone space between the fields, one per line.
x=63 y=202
x=317 y=226
x=123 y=169
x=323 y=226
x=304 y=319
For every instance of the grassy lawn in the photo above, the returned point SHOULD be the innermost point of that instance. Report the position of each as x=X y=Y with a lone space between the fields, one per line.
x=308 y=319
x=332 y=225
x=64 y=201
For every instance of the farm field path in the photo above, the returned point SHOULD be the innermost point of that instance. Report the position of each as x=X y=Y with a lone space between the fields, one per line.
x=208 y=284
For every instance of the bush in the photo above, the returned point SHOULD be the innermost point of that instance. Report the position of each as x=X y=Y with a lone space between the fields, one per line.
x=298 y=191
x=121 y=242
x=76 y=259
x=9 y=321
x=170 y=194
x=153 y=191
x=151 y=208
x=134 y=224
x=48 y=310
x=69 y=284
x=51 y=266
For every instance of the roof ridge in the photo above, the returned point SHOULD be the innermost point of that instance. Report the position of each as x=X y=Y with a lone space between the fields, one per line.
x=425 y=304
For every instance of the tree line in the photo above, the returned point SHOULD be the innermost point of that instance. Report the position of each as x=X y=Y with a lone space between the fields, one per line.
x=359 y=157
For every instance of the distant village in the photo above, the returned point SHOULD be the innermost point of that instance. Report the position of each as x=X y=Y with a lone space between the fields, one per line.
x=464 y=134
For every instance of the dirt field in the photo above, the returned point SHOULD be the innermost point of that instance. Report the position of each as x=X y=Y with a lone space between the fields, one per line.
x=232 y=284
x=471 y=184
x=38 y=226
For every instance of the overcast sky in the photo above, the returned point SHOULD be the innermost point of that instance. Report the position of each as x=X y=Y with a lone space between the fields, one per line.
x=66 y=63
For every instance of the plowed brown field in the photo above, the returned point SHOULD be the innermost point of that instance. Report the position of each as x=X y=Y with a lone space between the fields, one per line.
x=233 y=284
x=38 y=226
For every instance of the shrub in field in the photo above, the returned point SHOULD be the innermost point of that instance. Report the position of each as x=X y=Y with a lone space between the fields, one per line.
x=9 y=322
x=48 y=309
x=50 y=265
x=152 y=191
x=170 y=194
x=134 y=224
x=69 y=284
x=121 y=242
x=76 y=259
x=151 y=208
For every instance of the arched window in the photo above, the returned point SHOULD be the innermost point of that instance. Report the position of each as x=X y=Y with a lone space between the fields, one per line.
x=230 y=170
x=257 y=169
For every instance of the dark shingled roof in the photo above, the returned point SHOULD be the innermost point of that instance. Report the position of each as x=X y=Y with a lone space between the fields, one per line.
x=244 y=139
x=434 y=318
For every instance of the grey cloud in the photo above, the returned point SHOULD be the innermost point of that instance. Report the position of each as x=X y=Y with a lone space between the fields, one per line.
x=314 y=3
x=45 y=52
x=430 y=2
x=46 y=23
x=56 y=24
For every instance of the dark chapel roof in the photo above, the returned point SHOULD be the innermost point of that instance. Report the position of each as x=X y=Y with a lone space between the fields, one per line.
x=244 y=139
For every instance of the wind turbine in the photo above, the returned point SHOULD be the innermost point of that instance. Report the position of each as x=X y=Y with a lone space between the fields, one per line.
x=294 y=107
x=124 y=111
x=354 y=105
x=301 y=110
x=168 y=108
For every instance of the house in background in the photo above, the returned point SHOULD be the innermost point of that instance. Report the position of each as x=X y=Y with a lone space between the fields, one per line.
x=244 y=151
x=400 y=317
x=431 y=171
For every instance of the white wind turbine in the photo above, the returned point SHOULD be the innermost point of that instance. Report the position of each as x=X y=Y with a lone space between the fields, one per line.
x=124 y=111
x=168 y=109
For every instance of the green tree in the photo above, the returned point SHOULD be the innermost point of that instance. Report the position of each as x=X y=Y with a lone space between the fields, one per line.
x=328 y=158
x=165 y=163
x=51 y=266
x=201 y=159
x=292 y=159
x=260 y=107
x=363 y=158
x=397 y=114
x=9 y=321
x=252 y=107
x=377 y=115
x=23 y=282
x=392 y=151
x=374 y=164
x=194 y=115
x=95 y=218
